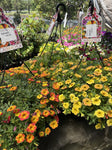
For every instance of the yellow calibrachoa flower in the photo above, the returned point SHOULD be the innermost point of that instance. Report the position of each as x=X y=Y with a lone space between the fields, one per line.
x=99 y=113
x=70 y=63
x=103 y=79
x=72 y=84
x=106 y=88
x=77 y=104
x=60 y=83
x=97 y=95
x=98 y=126
x=106 y=68
x=98 y=70
x=66 y=105
x=104 y=93
x=90 y=67
x=64 y=71
x=109 y=122
x=84 y=94
x=68 y=81
x=75 y=111
x=110 y=100
x=39 y=96
x=71 y=96
x=96 y=101
x=78 y=75
x=61 y=64
x=75 y=99
x=90 y=81
x=61 y=97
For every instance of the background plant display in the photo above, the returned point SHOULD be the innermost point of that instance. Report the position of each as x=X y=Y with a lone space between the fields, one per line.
x=30 y=104
x=30 y=32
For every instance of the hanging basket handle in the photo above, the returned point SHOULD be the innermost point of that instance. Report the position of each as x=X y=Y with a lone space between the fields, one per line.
x=91 y=5
x=59 y=19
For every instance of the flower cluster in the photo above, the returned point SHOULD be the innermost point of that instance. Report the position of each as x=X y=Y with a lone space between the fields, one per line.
x=32 y=99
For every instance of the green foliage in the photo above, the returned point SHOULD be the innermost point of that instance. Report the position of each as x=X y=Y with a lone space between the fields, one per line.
x=30 y=31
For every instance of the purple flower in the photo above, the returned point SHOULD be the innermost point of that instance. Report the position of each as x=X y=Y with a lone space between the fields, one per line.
x=14 y=128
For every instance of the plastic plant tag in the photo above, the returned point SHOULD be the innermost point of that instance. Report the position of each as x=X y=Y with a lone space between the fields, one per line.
x=9 y=38
x=91 y=27
x=49 y=31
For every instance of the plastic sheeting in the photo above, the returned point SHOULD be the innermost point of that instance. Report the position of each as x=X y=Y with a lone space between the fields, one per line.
x=106 y=12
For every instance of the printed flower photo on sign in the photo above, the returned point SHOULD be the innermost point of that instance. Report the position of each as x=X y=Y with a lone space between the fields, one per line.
x=91 y=27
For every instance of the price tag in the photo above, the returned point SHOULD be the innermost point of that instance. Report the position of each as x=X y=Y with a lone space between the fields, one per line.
x=91 y=27
x=7 y=35
x=91 y=30
x=9 y=38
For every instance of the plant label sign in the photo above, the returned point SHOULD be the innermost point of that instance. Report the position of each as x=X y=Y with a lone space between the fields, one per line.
x=91 y=27
x=49 y=31
x=9 y=38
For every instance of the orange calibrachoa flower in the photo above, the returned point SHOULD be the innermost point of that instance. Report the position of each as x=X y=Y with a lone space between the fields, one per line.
x=46 y=113
x=24 y=115
x=98 y=86
x=11 y=74
x=53 y=124
x=38 y=81
x=87 y=102
x=31 y=128
x=47 y=131
x=56 y=85
x=34 y=119
x=44 y=92
x=9 y=85
x=2 y=87
x=52 y=94
x=44 y=101
x=11 y=108
x=84 y=87
x=109 y=113
x=29 y=138
x=1 y=113
x=20 y=138
x=13 y=88
x=52 y=112
x=41 y=133
x=78 y=89
x=52 y=98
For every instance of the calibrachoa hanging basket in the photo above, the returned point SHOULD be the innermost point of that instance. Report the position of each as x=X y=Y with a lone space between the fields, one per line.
x=30 y=104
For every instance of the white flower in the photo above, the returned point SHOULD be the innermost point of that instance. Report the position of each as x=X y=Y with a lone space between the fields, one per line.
x=77 y=53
